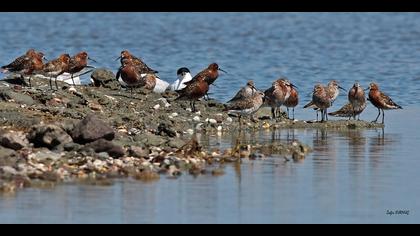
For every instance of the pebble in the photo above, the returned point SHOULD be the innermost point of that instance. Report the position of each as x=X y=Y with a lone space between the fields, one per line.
x=156 y=107
x=196 y=118
x=229 y=120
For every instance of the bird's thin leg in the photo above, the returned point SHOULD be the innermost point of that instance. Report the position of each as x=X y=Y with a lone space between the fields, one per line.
x=72 y=79
x=288 y=116
x=273 y=113
x=239 y=119
x=30 y=84
x=131 y=92
x=51 y=83
x=322 y=115
x=383 y=116
x=293 y=110
x=56 y=84
x=326 y=115
x=379 y=110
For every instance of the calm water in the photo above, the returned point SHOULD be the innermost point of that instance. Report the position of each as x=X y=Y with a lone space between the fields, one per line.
x=351 y=177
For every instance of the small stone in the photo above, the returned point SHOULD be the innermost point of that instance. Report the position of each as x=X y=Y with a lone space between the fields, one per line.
x=103 y=145
x=49 y=136
x=188 y=109
x=91 y=129
x=174 y=114
x=212 y=121
x=190 y=131
x=14 y=140
x=138 y=152
x=176 y=143
x=156 y=107
x=196 y=118
x=229 y=120
x=219 y=128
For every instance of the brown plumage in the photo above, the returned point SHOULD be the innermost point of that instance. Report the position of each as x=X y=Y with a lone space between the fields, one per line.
x=131 y=75
x=277 y=94
x=357 y=99
x=26 y=64
x=246 y=106
x=321 y=99
x=210 y=74
x=77 y=63
x=349 y=110
x=143 y=68
x=381 y=101
x=292 y=101
x=244 y=92
x=195 y=90
x=56 y=67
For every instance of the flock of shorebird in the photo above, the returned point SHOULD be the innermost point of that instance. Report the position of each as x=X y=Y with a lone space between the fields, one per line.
x=135 y=73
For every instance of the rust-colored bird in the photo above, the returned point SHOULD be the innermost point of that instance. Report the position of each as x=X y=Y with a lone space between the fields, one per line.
x=276 y=95
x=143 y=68
x=292 y=101
x=56 y=67
x=321 y=99
x=77 y=63
x=381 y=101
x=131 y=75
x=194 y=90
x=211 y=73
x=26 y=64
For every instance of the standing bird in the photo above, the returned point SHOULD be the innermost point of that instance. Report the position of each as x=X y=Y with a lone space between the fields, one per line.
x=321 y=100
x=77 y=63
x=246 y=106
x=381 y=101
x=292 y=101
x=143 y=68
x=56 y=67
x=245 y=92
x=276 y=95
x=194 y=90
x=211 y=73
x=130 y=74
x=184 y=75
x=26 y=64
x=356 y=104
x=332 y=90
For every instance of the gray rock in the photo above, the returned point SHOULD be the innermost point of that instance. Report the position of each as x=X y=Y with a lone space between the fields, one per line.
x=91 y=129
x=72 y=147
x=176 y=143
x=104 y=78
x=5 y=153
x=109 y=147
x=8 y=94
x=50 y=136
x=138 y=152
x=14 y=140
x=45 y=155
x=151 y=140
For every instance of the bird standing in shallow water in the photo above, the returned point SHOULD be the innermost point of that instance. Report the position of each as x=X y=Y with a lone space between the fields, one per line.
x=276 y=95
x=244 y=92
x=381 y=101
x=246 y=106
x=292 y=101
x=321 y=99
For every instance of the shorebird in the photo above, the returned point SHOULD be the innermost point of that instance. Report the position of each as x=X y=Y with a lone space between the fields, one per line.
x=246 y=106
x=277 y=94
x=131 y=76
x=381 y=101
x=211 y=73
x=292 y=101
x=357 y=99
x=349 y=111
x=56 y=67
x=25 y=64
x=321 y=99
x=332 y=90
x=244 y=92
x=77 y=63
x=184 y=75
x=143 y=68
x=194 y=90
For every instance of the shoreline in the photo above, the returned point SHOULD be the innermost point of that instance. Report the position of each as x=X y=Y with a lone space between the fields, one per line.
x=95 y=134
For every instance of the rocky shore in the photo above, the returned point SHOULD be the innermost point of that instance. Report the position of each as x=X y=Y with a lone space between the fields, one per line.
x=96 y=133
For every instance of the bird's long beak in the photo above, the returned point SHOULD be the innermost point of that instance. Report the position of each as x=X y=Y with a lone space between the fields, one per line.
x=92 y=59
x=342 y=88
x=44 y=58
x=366 y=89
x=294 y=86
x=118 y=58
x=222 y=70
